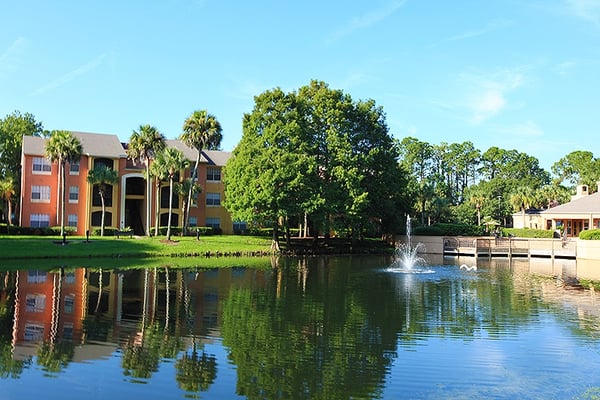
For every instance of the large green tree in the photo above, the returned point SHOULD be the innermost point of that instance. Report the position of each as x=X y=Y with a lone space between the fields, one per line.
x=101 y=177
x=578 y=168
x=266 y=178
x=201 y=130
x=62 y=147
x=143 y=146
x=12 y=129
x=315 y=153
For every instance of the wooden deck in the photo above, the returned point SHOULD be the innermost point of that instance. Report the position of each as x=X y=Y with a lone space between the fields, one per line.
x=510 y=247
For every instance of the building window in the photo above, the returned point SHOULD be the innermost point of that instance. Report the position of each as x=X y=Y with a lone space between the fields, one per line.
x=34 y=332
x=67 y=331
x=69 y=278
x=72 y=220
x=35 y=303
x=193 y=221
x=41 y=165
x=39 y=220
x=97 y=218
x=164 y=198
x=213 y=222
x=36 y=276
x=164 y=219
x=69 y=302
x=239 y=227
x=40 y=194
x=97 y=200
x=213 y=199
x=107 y=162
x=73 y=194
x=74 y=168
x=213 y=174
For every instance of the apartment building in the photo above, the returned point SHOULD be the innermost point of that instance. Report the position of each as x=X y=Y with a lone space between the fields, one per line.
x=124 y=202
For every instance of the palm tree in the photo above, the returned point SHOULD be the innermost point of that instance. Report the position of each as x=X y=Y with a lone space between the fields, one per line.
x=102 y=176
x=521 y=199
x=183 y=188
x=477 y=198
x=201 y=130
x=7 y=191
x=143 y=145
x=172 y=161
x=159 y=172
x=63 y=147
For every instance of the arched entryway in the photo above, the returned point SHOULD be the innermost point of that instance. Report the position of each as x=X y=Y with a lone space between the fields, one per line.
x=133 y=203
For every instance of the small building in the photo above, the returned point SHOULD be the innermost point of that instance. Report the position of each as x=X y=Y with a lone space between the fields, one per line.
x=581 y=213
x=125 y=202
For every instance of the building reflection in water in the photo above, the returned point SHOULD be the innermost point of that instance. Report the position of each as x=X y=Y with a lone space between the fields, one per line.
x=97 y=311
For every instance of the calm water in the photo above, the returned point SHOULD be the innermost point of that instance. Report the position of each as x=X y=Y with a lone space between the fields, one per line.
x=321 y=328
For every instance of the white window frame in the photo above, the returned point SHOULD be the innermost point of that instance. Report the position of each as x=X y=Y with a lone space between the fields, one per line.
x=39 y=220
x=214 y=222
x=73 y=194
x=74 y=168
x=35 y=303
x=34 y=332
x=40 y=194
x=211 y=172
x=72 y=220
x=41 y=166
x=213 y=199
x=69 y=306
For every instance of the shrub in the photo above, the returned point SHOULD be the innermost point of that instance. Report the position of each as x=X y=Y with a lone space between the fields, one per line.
x=108 y=231
x=528 y=233
x=591 y=234
x=449 y=230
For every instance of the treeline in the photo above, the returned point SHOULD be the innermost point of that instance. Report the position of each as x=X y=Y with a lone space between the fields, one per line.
x=318 y=161
x=457 y=183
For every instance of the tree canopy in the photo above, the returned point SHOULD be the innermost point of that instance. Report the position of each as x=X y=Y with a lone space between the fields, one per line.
x=317 y=153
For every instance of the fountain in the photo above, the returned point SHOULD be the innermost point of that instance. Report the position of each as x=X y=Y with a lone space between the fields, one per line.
x=407 y=255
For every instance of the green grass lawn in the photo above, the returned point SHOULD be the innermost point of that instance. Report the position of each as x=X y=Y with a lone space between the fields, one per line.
x=27 y=247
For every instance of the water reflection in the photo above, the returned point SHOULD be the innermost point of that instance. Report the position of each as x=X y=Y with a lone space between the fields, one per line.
x=299 y=328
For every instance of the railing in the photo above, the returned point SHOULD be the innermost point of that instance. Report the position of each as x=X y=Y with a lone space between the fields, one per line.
x=510 y=247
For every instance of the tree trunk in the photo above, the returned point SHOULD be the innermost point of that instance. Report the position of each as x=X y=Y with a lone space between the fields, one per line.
x=170 y=208
x=63 y=198
x=189 y=200
x=275 y=240
x=157 y=214
x=103 y=210
x=148 y=197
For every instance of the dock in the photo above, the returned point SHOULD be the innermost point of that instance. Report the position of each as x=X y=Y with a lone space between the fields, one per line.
x=509 y=247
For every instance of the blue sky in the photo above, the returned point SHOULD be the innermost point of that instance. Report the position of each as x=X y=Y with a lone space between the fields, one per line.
x=517 y=74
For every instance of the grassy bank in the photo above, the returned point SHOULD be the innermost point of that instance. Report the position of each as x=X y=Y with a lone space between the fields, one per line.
x=27 y=247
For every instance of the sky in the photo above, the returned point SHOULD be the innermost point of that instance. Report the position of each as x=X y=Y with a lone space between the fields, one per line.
x=515 y=74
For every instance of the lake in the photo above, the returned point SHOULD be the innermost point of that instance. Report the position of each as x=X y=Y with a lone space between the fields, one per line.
x=312 y=328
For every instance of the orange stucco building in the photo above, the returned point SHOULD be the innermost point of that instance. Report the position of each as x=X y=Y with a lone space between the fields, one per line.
x=125 y=202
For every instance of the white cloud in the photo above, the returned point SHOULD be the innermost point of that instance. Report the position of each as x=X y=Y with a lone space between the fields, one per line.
x=9 y=60
x=489 y=27
x=588 y=10
x=565 y=67
x=487 y=93
x=70 y=75
x=366 y=20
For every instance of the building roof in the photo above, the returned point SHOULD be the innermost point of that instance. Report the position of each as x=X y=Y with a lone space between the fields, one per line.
x=93 y=144
x=212 y=157
x=582 y=205
x=215 y=157
x=109 y=146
